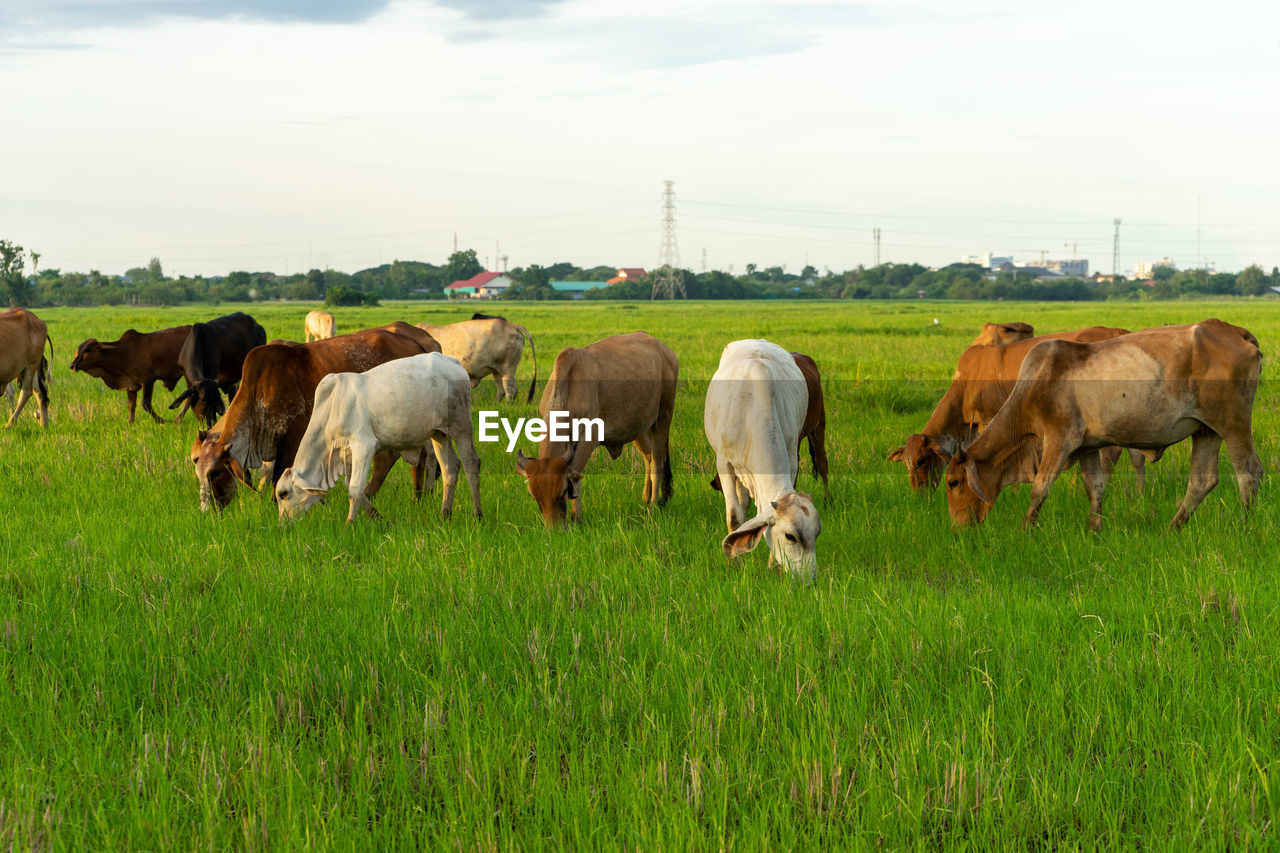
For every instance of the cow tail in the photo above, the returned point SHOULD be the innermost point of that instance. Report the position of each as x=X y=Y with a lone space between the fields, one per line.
x=42 y=381
x=534 y=353
x=666 y=477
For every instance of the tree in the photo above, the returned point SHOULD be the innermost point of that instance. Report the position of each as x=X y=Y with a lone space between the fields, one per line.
x=1252 y=281
x=16 y=288
x=462 y=266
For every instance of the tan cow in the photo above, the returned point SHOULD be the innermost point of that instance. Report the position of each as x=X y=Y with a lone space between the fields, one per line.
x=629 y=383
x=23 y=336
x=487 y=345
x=1002 y=334
x=983 y=379
x=319 y=325
x=1149 y=389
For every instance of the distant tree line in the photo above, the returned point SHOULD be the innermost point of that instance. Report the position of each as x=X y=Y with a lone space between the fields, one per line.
x=149 y=285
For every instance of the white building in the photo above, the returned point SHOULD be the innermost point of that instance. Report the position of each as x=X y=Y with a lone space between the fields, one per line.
x=1146 y=269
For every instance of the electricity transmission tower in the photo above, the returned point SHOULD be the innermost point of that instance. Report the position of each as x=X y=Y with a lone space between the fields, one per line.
x=668 y=278
x=875 y=233
x=1115 y=251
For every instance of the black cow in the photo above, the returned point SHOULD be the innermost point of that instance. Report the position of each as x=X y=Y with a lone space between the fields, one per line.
x=212 y=358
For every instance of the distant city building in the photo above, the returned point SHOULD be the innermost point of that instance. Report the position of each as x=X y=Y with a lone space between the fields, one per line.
x=1146 y=269
x=987 y=260
x=486 y=285
x=1079 y=268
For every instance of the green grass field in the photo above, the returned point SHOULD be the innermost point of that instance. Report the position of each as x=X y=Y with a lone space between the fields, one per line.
x=177 y=680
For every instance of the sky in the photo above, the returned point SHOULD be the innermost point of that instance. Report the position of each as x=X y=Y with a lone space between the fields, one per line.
x=283 y=135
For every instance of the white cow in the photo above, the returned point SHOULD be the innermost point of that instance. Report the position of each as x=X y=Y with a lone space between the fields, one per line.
x=487 y=345
x=755 y=409
x=401 y=406
x=319 y=325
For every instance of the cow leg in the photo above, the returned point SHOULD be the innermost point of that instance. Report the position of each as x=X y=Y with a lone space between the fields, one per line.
x=28 y=379
x=1095 y=473
x=507 y=379
x=734 y=510
x=470 y=467
x=1052 y=461
x=1139 y=469
x=818 y=455
x=661 y=456
x=448 y=460
x=146 y=401
x=1247 y=465
x=644 y=443
x=382 y=464
x=357 y=480
x=8 y=391
x=1204 y=474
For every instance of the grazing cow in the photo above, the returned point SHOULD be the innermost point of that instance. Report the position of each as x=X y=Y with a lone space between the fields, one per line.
x=815 y=421
x=23 y=336
x=404 y=407
x=487 y=345
x=268 y=416
x=1149 y=389
x=212 y=358
x=135 y=362
x=319 y=325
x=983 y=379
x=755 y=408
x=629 y=383
x=1002 y=334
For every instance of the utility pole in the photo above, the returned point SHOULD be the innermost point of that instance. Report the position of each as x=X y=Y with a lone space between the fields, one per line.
x=875 y=233
x=1115 y=250
x=704 y=260
x=668 y=279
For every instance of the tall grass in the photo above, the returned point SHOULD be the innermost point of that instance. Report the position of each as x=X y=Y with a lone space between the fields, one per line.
x=178 y=680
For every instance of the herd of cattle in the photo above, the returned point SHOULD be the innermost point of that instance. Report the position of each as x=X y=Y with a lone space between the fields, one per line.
x=1019 y=409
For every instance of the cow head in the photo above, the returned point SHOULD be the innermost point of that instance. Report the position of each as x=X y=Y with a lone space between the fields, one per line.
x=217 y=471
x=205 y=400
x=790 y=525
x=925 y=458
x=295 y=496
x=967 y=496
x=552 y=482
x=90 y=356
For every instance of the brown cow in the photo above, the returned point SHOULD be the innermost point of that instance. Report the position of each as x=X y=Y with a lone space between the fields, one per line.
x=487 y=345
x=1150 y=390
x=23 y=336
x=420 y=336
x=982 y=382
x=815 y=421
x=1002 y=334
x=269 y=414
x=628 y=382
x=135 y=362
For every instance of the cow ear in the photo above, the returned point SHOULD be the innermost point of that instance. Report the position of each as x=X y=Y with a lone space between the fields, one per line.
x=745 y=538
x=568 y=454
x=896 y=455
x=937 y=448
x=239 y=473
x=521 y=462
x=177 y=401
x=971 y=477
x=202 y=435
x=573 y=489
x=715 y=483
